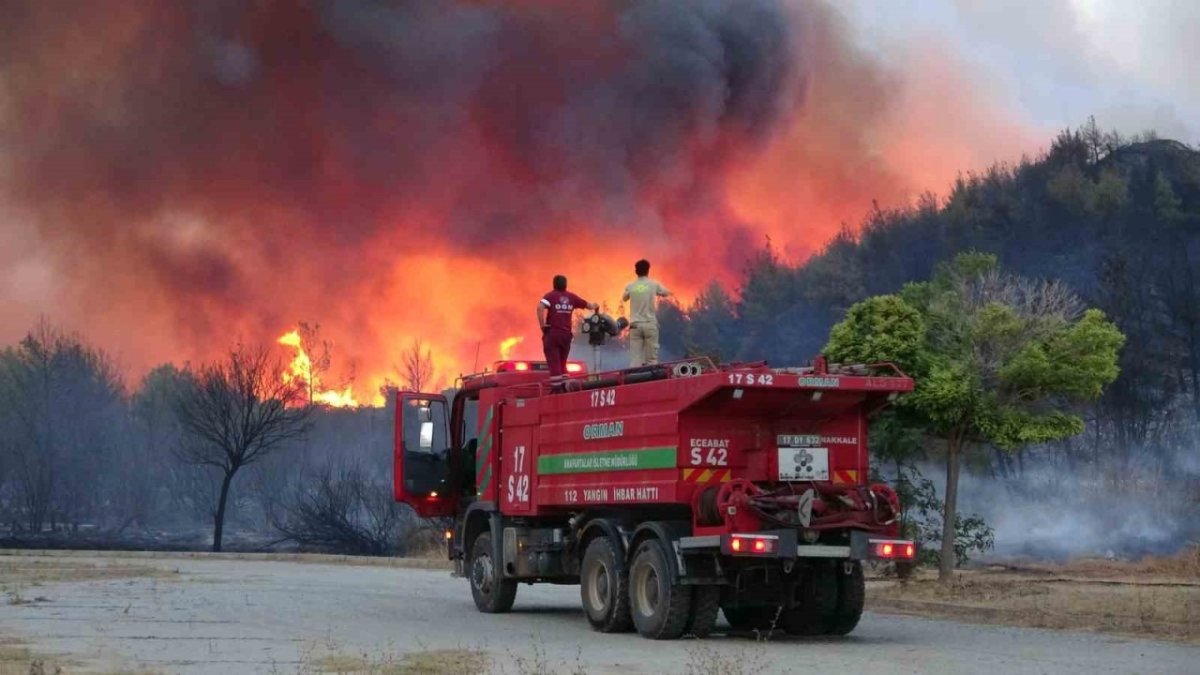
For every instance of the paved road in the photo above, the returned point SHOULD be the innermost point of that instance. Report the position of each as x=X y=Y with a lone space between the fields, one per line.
x=232 y=616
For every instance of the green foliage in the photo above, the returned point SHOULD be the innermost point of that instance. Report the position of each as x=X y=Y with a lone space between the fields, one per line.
x=883 y=328
x=998 y=360
x=1071 y=189
x=946 y=395
x=1166 y=203
x=1111 y=194
x=994 y=358
x=1076 y=361
x=921 y=520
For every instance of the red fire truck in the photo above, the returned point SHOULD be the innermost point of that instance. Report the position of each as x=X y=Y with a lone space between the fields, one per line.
x=668 y=492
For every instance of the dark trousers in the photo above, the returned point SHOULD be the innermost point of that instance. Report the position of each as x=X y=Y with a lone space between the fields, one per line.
x=556 y=345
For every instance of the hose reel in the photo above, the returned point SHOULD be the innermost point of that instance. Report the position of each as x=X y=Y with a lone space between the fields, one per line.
x=686 y=369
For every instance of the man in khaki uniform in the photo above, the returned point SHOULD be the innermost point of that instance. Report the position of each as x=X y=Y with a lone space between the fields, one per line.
x=642 y=294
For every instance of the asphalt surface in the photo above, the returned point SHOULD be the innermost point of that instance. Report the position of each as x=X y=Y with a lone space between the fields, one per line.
x=234 y=616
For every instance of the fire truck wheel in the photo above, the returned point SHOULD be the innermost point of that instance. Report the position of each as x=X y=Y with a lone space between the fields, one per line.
x=818 y=601
x=660 y=610
x=706 y=602
x=493 y=594
x=852 y=591
x=604 y=587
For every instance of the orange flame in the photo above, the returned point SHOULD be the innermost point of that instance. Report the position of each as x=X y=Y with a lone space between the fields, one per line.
x=300 y=371
x=507 y=345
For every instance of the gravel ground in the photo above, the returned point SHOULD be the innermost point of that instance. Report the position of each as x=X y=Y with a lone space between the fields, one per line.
x=197 y=615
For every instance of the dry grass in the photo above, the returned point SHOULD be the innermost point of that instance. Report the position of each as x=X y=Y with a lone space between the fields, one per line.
x=1066 y=598
x=427 y=662
x=33 y=571
x=706 y=660
x=1185 y=564
x=17 y=659
x=1181 y=567
x=431 y=559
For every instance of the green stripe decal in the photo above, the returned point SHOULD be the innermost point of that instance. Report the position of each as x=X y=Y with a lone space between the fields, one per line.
x=634 y=459
x=481 y=454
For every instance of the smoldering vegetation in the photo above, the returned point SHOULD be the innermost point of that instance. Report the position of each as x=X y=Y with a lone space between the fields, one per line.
x=87 y=461
x=1053 y=511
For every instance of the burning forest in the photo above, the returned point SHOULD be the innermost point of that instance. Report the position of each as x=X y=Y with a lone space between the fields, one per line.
x=406 y=171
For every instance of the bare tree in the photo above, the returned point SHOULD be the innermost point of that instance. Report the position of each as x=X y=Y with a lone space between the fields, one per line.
x=313 y=359
x=416 y=367
x=344 y=510
x=238 y=411
x=320 y=354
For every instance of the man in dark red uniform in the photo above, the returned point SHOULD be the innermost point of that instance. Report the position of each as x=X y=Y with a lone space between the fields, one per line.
x=554 y=314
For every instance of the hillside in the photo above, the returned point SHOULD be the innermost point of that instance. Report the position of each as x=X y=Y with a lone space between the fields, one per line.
x=1119 y=222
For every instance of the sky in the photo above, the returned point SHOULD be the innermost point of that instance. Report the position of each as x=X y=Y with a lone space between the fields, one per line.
x=1133 y=65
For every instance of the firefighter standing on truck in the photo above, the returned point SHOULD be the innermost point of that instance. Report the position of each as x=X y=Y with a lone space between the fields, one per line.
x=554 y=314
x=641 y=294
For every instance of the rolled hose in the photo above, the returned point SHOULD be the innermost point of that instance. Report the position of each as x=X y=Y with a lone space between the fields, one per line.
x=879 y=500
x=707 y=513
x=686 y=369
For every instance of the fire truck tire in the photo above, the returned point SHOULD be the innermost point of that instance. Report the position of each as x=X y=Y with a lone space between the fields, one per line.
x=493 y=593
x=852 y=592
x=660 y=610
x=604 y=587
x=818 y=602
x=706 y=603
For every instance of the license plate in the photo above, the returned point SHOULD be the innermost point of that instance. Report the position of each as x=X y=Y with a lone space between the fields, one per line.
x=803 y=463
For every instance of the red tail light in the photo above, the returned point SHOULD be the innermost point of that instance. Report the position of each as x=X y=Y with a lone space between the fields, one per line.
x=893 y=550
x=753 y=544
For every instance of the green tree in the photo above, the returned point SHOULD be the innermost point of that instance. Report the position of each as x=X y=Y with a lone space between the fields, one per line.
x=998 y=359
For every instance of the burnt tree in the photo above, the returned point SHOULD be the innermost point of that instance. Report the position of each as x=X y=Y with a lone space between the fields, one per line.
x=236 y=412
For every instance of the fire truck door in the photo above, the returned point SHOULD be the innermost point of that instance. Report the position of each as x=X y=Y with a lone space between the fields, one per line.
x=517 y=469
x=422 y=455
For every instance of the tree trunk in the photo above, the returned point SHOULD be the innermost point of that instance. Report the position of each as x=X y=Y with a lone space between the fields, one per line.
x=950 y=510
x=219 y=521
x=1194 y=366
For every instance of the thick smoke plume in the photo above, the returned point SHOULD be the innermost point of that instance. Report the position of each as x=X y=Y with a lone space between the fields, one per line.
x=180 y=173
